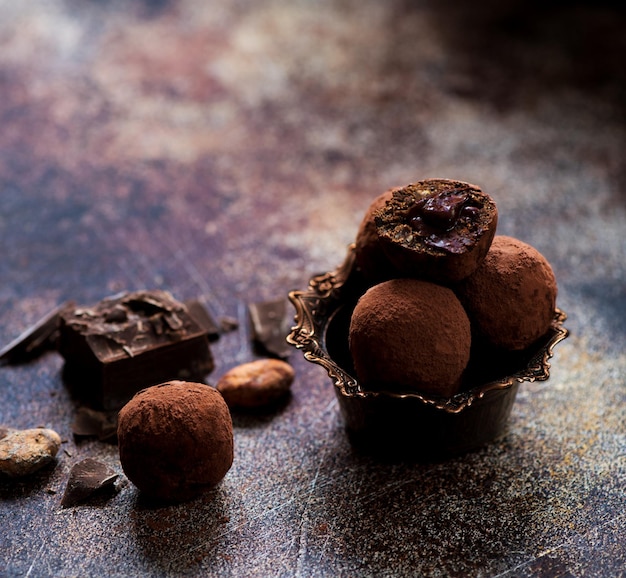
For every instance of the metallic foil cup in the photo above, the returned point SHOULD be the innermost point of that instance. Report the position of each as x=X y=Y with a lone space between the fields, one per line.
x=388 y=422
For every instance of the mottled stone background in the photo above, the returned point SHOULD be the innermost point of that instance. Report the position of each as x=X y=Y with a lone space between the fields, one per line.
x=227 y=151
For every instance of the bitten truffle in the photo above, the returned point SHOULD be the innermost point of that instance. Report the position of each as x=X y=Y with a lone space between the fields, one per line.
x=438 y=229
x=175 y=440
x=368 y=252
x=409 y=335
x=511 y=297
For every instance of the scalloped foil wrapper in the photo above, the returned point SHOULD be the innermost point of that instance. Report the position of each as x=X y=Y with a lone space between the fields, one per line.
x=410 y=423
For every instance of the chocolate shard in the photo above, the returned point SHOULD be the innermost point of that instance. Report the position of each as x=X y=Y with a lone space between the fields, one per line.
x=202 y=316
x=35 y=340
x=92 y=423
x=271 y=323
x=128 y=342
x=87 y=478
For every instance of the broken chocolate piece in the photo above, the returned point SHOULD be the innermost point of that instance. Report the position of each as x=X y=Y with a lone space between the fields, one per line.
x=35 y=340
x=204 y=319
x=128 y=342
x=271 y=323
x=91 y=423
x=87 y=478
x=228 y=324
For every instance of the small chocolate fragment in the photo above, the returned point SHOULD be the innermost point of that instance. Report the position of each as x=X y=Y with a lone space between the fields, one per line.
x=87 y=478
x=228 y=324
x=128 y=342
x=271 y=323
x=204 y=319
x=91 y=423
x=37 y=339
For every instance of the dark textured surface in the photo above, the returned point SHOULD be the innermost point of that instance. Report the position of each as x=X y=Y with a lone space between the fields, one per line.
x=227 y=151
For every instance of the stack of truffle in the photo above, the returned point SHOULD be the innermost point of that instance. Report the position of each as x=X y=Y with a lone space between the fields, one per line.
x=441 y=280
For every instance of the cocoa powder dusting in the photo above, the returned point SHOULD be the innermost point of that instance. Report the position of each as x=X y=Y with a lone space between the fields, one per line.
x=369 y=254
x=175 y=440
x=410 y=335
x=511 y=297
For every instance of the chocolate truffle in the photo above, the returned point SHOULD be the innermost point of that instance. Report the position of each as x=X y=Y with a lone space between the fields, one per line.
x=410 y=335
x=437 y=229
x=368 y=253
x=175 y=440
x=511 y=297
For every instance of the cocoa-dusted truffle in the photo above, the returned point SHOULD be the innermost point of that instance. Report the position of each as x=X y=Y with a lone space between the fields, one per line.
x=511 y=297
x=410 y=335
x=368 y=253
x=437 y=229
x=175 y=440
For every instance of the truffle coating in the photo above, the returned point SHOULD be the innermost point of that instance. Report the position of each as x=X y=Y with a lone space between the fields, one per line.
x=175 y=440
x=511 y=298
x=368 y=252
x=410 y=335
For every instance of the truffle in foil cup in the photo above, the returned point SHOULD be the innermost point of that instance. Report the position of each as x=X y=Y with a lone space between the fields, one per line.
x=409 y=423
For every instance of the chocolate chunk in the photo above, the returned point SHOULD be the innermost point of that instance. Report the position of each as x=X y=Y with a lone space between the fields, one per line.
x=128 y=342
x=87 y=478
x=37 y=339
x=91 y=423
x=271 y=323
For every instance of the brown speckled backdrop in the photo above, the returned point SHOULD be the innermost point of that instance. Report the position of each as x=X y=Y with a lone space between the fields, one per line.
x=227 y=151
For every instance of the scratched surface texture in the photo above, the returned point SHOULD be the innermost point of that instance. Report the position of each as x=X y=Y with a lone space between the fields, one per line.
x=226 y=151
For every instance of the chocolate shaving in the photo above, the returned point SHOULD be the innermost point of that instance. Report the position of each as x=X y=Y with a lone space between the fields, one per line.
x=87 y=478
